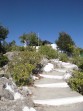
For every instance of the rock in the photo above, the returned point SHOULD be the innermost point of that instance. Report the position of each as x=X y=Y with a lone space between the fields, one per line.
x=67 y=75
x=4 y=75
x=70 y=66
x=44 y=61
x=38 y=69
x=49 y=67
x=35 y=78
x=25 y=108
x=32 y=109
x=25 y=91
x=3 y=80
x=5 y=93
x=5 y=68
x=12 y=98
x=17 y=96
x=11 y=55
x=56 y=63
x=8 y=95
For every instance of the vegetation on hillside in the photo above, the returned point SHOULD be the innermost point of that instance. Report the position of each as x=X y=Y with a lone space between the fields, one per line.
x=76 y=81
x=48 y=52
x=21 y=66
x=31 y=39
x=65 y=43
x=3 y=35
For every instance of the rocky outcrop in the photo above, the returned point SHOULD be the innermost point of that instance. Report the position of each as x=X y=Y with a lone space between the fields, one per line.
x=11 y=55
x=13 y=98
x=44 y=61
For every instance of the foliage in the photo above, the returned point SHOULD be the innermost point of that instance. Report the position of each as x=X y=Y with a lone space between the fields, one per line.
x=63 y=57
x=3 y=60
x=3 y=35
x=81 y=52
x=29 y=48
x=31 y=39
x=75 y=52
x=65 y=42
x=76 y=82
x=21 y=73
x=45 y=42
x=11 y=46
x=22 y=65
x=77 y=60
x=48 y=52
x=81 y=66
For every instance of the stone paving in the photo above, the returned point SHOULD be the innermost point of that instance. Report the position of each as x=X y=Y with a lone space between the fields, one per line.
x=52 y=93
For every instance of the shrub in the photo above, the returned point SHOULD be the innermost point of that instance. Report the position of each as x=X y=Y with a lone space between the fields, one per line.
x=48 y=52
x=21 y=73
x=22 y=65
x=3 y=60
x=63 y=57
x=38 y=69
x=81 y=66
x=77 y=60
x=76 y=82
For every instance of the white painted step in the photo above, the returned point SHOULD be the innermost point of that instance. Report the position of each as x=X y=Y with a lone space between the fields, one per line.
x=53 y=85
x=51 y=76
x=58 y=102
x=47 y=81
x=61 y=70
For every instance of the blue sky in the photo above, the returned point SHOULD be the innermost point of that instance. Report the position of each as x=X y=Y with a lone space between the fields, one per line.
x=46 y=17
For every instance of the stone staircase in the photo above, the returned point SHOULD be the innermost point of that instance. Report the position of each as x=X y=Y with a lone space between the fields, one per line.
x=53 y=93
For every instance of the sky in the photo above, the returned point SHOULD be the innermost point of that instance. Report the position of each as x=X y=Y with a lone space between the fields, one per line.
x=46 y=17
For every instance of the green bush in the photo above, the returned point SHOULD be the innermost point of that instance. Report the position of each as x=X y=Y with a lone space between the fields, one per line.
x=21 y=73
x=77 y=60
x=63 y=57
x=81 y=66
x=22 y=48
x=48 y=52
x=22 y=65
x=76 y=82
x=3 y=60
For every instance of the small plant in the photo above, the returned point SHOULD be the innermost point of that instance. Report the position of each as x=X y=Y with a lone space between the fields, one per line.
x=3 y=60
x=77 y=60
x=21 y=73
x=76 y=81
x=63 y=57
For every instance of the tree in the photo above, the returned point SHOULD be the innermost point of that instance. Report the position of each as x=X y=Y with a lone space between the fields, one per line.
x=46 y=42
x=9 y=46
x=31 y=39
x=12 y=43
x=65 y=42
x=81 y=52
x=3 y=35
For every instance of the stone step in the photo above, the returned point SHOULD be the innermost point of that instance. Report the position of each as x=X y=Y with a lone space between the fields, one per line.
x=55 y=72
x=53 y=85
x=47 y=80
x=53 y=93
x=69 y=107
x=61 y=70
x=51 y=76
x=60 y=101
